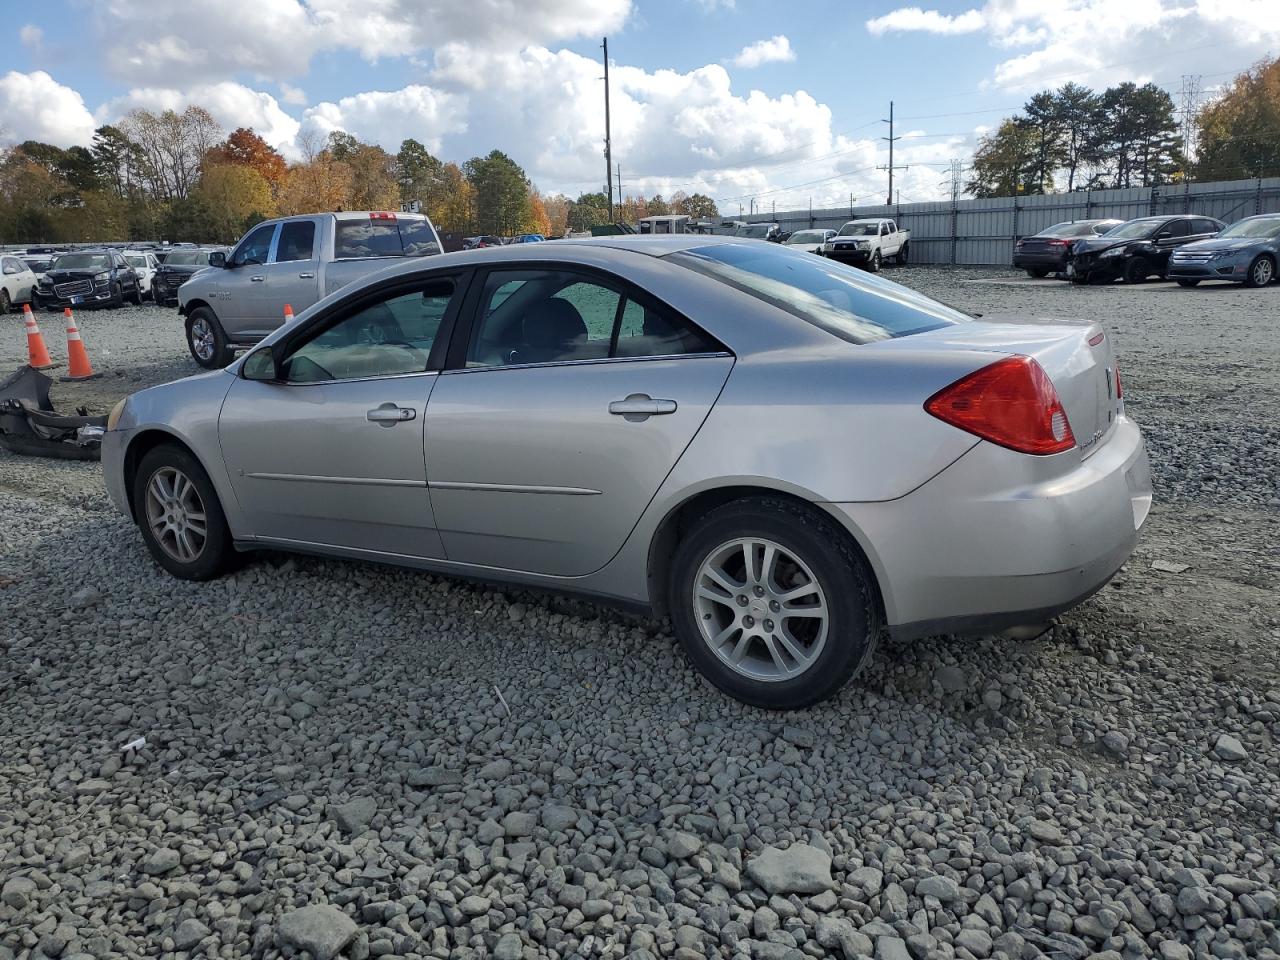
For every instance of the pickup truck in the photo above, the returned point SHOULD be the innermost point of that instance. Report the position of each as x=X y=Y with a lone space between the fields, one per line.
x=868 y=243
x=240 y=297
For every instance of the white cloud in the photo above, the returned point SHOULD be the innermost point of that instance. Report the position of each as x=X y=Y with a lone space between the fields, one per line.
x=31 y=37
x=1102 y=42
x=390 y=116
x=291 y=94
x=776 y=49
x=277 y=38
x=36 y=107
x=929 y=21
x=231 y=104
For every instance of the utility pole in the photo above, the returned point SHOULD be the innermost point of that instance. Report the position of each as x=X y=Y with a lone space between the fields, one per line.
x=608 y=142
x=619 y=169
x=891 y=138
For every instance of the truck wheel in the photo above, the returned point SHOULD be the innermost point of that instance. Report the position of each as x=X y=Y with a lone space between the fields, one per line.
x=903 y=254
x=874 y=265
x=136 y=297
x=5 y=304
x=117 y=297
x=207 y=341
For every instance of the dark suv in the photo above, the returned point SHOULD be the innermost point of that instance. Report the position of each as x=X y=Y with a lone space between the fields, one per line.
x=178 y=266
x=88 y=278
x=1135 y=250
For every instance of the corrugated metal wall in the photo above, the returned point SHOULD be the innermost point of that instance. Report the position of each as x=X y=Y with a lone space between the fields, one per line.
x=984 y=231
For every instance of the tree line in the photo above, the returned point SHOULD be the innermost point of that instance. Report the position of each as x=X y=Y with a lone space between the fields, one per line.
x=1129 y=135
x=180 y=176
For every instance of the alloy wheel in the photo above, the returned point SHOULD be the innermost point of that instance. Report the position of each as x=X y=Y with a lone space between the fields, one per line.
x=1262 y=272
x=760 y=609
x=176 y=514
x=202 y=340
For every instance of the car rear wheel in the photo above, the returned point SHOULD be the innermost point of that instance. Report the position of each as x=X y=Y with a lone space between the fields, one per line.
x=1039 y=273
x=136 y=297
x=1261 y=272
x=207 y=341
x=903 y=254
x=178 y=512
x=1136 y=270
x=5 y=303
x=772 y=603
x=1187 y=282
x=875 y=262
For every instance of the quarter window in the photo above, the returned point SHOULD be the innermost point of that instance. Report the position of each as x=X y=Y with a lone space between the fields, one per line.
x=389 y=338
x=553 y=316
x=297 y=239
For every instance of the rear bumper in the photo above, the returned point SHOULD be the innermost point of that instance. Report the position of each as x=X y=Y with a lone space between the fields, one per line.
x=998 y=540
x=1056 y=262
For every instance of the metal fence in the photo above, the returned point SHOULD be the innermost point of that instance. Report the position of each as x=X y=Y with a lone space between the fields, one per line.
x=984 y=231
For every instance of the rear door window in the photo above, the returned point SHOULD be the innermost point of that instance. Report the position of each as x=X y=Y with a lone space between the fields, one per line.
x=1176 y=228
x=297 y=241
x=1204 y=226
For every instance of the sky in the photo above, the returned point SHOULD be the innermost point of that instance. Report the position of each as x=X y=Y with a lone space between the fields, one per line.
x=757 y=103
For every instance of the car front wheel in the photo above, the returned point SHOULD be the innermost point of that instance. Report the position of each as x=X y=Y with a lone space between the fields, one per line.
x=179 y=514
x=206 y=340
x=1136 y=270
x=1187 y=282
x=1037 y=273
x=1261 y=272
x=772 y=603
x=874 y=265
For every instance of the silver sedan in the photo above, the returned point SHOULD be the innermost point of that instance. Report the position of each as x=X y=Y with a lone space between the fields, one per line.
x=784 y=455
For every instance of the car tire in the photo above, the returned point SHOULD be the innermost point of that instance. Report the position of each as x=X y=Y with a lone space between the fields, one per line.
x=5 y=303
x=1185 y=282
x=875 y=263
x=1037 y=273
x=1261 y=272
x=136 y=298
x=903 y=254
x=171 y=492
x=807 y=548
x=117 y=297
x=207 y=341
x=1136 y=270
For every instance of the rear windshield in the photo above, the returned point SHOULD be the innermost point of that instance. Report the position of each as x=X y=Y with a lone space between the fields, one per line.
x=808 y=236
x=860 y=230
x=847 y=302
x=38 y=266
x=189 y=259
x=401 y=237
x=758 y=232
x=1082 y=229
x=82 y=261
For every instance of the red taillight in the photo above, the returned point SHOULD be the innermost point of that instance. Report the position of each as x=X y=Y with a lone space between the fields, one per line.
x=1012 y=403
x=381 y=215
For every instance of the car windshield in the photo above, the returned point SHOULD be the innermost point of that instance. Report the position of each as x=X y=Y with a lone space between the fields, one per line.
x=844 y=301
x=184 y=258
x=807 y=236
x=756 y=232
x=82 y=261
x=134 y=260
x=860 y=229
x=1265 y=227
x=38 y=266
x=1134 y=229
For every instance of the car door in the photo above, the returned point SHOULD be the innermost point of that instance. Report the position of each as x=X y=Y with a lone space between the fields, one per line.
x=1171 y=236
x=323 y=438
x=290 y=275
x=568 y=399
x=241 y=289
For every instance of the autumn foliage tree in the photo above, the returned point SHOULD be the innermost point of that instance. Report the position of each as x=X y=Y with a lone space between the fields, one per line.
x=246 y=149
x=1240 y=131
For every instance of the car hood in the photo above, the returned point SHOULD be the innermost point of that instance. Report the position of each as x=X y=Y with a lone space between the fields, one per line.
x=1226 y=243
x=62 y=276
x=1098 y=244
x=186 y=269
x=806 y=247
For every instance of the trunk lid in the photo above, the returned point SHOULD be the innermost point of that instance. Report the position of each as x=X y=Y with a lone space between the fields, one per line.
x=1077 y=356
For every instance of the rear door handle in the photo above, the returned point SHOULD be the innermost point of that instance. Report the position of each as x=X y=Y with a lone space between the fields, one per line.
x=307 y=276
x=640 y=406
x=388 y=414
x=257 y=279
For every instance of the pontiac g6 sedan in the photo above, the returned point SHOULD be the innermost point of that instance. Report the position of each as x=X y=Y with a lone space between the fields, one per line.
x=781 y=453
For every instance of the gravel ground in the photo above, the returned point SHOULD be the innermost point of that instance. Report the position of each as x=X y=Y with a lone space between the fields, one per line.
x=447 y=770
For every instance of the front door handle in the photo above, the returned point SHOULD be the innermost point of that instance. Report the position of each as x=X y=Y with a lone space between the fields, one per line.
x=388 y=414
x=641 y=406
x=257 y=279
x=307 y=276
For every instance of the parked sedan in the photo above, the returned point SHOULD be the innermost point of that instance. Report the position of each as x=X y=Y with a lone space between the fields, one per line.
x=1246 y=252
x=1135 y=250
x=810 y=241
x=17 y=282
x=1046 y=252
x=781 y=453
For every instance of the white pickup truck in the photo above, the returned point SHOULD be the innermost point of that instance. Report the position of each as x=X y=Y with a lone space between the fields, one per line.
x=240 y=297
x=869 y=243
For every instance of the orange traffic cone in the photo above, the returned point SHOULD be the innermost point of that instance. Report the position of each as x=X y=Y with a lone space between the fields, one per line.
x=288 y=313
x=36 y=350
x=78 y=367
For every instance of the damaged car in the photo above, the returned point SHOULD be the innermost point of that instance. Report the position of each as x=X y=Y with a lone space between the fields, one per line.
x=1136 y=250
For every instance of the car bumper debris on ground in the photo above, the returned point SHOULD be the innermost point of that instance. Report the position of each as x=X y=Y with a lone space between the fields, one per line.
x=362 y=761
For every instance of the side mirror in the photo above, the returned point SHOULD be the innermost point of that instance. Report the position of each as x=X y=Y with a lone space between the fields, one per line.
x=260 y=365
x=217 y=259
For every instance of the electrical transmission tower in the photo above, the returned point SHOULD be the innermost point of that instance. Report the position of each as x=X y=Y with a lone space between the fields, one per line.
x=957 y=185
x=1190 y=107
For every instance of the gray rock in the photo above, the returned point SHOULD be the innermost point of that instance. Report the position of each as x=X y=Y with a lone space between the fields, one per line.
x=161 y=861
x=837 y=933
x=681 y=846
x=952 y=679
x=1115 y=742
x=798 y=869
x=474 y=906
x=18 y=892
x=509 y=947
x=799 y=736
x=189 y=933
x=322 y=929
x=976 y=942
x=433 y=777
x=519 y=823
x=1229 y=748
x=943 y=888
x=559 y=819
x=354 y=815
x=892 y=948
x=1045 y=832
